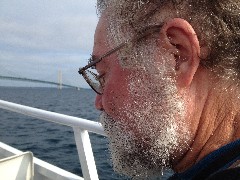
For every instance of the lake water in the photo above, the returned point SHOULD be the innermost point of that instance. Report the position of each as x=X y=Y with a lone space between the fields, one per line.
x=48 y=141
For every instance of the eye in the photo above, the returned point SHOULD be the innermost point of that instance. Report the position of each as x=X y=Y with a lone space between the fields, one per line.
x=101 y=79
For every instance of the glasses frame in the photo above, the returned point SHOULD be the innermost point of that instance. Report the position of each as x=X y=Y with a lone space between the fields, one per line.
x=143 y=33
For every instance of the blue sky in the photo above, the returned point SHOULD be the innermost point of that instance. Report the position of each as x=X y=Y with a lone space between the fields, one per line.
x=38 y=38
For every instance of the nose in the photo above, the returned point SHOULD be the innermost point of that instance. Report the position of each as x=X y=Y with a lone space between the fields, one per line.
x=98 y=102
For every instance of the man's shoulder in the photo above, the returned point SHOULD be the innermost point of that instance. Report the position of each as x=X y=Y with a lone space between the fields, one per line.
x=227 y=174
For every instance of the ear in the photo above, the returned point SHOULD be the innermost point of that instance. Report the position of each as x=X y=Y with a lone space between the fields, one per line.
x=181 y=40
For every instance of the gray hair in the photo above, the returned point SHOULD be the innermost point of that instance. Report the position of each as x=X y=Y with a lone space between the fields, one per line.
x=216 y=22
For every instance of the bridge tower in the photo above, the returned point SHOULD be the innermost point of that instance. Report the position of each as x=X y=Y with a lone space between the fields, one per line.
x=60 y=79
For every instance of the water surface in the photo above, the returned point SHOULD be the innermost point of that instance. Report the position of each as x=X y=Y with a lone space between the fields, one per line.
x=48 y=141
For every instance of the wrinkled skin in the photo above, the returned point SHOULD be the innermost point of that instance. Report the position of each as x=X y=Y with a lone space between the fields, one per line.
x=172 y=117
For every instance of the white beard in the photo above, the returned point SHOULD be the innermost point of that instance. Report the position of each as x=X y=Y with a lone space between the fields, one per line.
x=143 y=143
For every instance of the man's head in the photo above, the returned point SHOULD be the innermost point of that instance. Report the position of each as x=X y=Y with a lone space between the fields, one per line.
x=153 y=88
x=216 y=24
x=143 y=111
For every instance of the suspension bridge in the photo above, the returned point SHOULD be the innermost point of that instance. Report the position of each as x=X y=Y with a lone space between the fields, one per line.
x=59 y=84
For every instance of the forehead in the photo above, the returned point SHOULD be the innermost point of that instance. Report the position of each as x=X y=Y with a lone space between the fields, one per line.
x=101 y=43
x=101 y=34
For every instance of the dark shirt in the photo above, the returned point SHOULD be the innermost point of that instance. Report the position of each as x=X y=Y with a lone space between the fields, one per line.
x=215 y=165
x=228 y=174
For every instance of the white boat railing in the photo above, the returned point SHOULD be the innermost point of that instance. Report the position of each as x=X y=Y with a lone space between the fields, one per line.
x=80 y=127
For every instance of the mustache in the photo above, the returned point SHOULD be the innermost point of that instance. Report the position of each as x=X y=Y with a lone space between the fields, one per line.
x=105 y=120
x=103 y=116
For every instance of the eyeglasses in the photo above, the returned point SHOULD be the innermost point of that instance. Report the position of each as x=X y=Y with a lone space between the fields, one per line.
x=92 y=78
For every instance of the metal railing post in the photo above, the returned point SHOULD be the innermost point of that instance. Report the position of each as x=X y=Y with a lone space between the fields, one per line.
x=80 y=126
x=85 y=154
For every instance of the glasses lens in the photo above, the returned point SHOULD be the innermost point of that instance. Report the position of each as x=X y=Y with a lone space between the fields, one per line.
x=92 y=79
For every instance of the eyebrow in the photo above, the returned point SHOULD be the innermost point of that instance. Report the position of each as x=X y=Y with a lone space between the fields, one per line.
x=92 y=58
x=101 y=65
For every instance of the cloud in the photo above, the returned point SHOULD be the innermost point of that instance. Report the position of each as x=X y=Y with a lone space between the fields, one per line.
x=41 y=37
x=53 y=28
x=65 y=34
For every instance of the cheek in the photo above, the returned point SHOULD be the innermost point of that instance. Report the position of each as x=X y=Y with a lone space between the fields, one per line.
x=116 y=93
